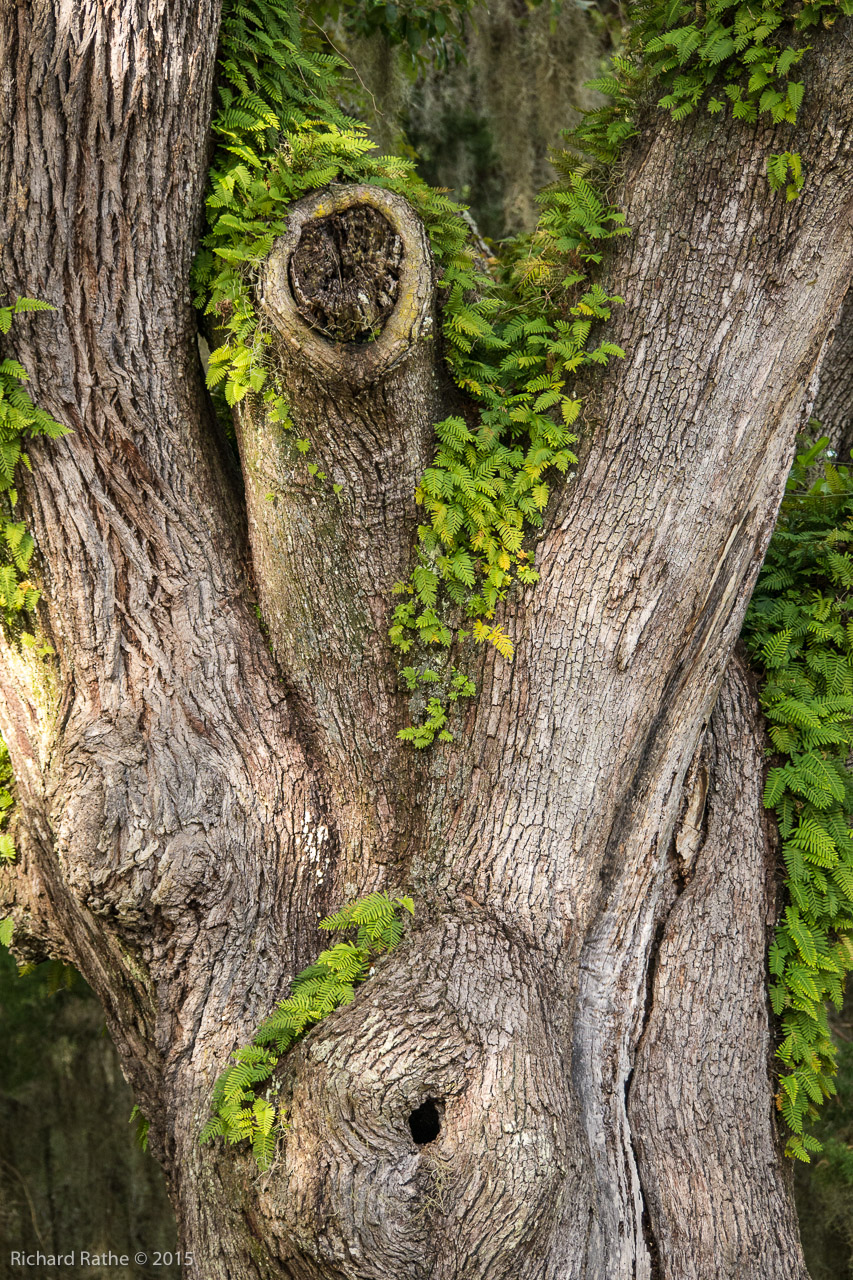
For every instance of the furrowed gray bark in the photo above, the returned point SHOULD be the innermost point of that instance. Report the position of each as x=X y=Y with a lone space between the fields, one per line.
x=699 y=1099
x=327 y=562
x=833 y=406
x=189 y=806
x=165 y=800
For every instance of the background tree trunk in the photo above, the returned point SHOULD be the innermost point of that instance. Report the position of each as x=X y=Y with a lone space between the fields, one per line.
x=484 y=125
x=72 y=1174
x=190 y=807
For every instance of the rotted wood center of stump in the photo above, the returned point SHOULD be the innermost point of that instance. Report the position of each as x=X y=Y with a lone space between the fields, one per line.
x=345 y=273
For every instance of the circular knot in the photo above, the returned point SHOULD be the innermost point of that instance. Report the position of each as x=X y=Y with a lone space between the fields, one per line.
x=349 y=286
x=345 y=273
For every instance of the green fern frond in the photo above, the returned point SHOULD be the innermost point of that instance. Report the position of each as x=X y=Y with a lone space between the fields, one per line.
x=799 y=634
x=239 y=1113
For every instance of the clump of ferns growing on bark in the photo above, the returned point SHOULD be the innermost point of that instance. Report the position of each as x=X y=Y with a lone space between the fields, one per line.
x=20 y=420
x=241 y=1114
x=511 y=344
x=799 y=630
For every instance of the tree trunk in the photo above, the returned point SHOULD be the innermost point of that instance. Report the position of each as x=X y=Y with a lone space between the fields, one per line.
x=833 y=406
x=580 y=1004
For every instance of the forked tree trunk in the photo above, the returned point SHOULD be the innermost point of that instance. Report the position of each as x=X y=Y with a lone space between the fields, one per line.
x=582 y=995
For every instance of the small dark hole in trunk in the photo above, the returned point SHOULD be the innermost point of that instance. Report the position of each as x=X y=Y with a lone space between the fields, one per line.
x=425 y=1122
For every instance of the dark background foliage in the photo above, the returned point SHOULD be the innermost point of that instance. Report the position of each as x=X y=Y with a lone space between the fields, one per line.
x=824 y=1189
x=72 y=1173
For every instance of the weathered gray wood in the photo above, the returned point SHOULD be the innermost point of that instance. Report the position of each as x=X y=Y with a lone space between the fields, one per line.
x=699 y=1101
x=833 y=404
x=326 y=563
x=190 y=806
x=164 y=794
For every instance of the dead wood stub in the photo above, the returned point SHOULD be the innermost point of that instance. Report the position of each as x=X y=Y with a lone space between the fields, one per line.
x=345 y=273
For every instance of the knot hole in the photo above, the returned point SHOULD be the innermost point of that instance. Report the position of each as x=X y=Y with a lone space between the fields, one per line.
x=425 y=1122
x=345 y=273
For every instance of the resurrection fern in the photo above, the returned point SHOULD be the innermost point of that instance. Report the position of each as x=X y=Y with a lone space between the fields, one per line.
x=514 y=343
x=799 y=630
x=19 y=420
x=7 y=847
x=439 y=695
x=511 y=344
x=723 y=55
x=240 y=1113
x=141 y=1128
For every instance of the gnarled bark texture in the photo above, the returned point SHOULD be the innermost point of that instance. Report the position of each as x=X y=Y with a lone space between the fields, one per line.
x=579 y=1007
x=833 y=406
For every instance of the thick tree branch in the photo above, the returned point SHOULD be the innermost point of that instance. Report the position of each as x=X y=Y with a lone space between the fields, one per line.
x=165 y=799
x=326 y=563
x=699 y=1100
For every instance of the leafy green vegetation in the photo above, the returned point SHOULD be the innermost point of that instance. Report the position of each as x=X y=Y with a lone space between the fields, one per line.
x=514 y=342
x=725 y=55
x=413 y=24
x=440 y=697
x=511 y=343
x=7 y=781
x=240 y=1113
x=19 y=420
x=799 y=630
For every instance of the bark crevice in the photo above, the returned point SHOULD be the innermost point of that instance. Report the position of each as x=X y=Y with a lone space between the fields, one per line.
x=690 y=1071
